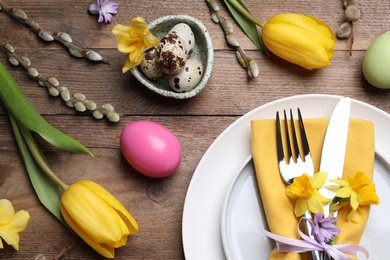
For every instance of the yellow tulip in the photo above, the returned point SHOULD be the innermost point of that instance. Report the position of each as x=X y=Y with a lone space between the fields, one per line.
x=299 y=39
x=11 y=224
x=134 y=39
x=97 y=217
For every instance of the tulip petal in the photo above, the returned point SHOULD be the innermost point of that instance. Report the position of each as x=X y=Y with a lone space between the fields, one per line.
x=113 y=202
x=102 y=249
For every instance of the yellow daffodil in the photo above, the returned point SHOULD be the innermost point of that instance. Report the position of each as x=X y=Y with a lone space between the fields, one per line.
x=305 y=190
x=134 y=39
x=299 y=39
x=11 y=224
x=97 y=217
x=360 y=191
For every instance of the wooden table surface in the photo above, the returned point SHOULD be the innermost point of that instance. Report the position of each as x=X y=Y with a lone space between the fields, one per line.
x=156 y=204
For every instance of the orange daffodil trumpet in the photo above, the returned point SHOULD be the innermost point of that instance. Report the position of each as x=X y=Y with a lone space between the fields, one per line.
x=11 y=224
x=134 y=39
x=299 y=39
x=97 y=217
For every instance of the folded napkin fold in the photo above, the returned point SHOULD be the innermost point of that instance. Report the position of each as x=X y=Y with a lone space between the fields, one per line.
x=279 y=209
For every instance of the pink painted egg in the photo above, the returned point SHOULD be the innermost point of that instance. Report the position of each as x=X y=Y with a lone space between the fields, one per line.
x=150 y=148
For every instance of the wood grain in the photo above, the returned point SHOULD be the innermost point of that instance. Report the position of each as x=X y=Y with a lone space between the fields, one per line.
x=157 y=204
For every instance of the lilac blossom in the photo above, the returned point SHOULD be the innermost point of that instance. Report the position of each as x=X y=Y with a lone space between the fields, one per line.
x=105 y=9
x=324 y=229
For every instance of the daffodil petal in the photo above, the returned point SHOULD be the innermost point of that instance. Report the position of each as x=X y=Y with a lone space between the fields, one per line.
x=344 y=192
x=300 y=207
x=6 y=211
x=315 y=206
x=11 y=237
x=20 y=220
x=319 y=179
x=354 y=200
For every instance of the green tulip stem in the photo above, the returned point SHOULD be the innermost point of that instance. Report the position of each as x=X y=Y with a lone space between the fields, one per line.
x=245 y=13
x=39 y=159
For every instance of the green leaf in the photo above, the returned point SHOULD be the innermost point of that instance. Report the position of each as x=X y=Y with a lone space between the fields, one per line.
x=25 y=114
x=246 y=22
x=46 y=189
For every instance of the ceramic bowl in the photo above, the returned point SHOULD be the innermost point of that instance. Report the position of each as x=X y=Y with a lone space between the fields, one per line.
x=203 y=51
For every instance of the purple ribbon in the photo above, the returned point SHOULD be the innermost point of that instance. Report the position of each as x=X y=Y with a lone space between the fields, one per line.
x=291 y=245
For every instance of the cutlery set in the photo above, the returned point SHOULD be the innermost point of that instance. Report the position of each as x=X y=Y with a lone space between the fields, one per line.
x=332 y=157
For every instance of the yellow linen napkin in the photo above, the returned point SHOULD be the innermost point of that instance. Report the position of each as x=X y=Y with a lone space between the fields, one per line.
x=279 y=209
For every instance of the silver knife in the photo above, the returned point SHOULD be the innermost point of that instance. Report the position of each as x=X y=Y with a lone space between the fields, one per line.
x=333 y=150
x=335 y=143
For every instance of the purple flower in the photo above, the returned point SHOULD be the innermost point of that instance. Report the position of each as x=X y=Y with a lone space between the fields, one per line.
x=105 y=9
x=324 y=229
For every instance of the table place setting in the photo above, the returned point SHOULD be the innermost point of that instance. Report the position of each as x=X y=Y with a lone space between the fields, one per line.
x=214 y=130
x=244 y=211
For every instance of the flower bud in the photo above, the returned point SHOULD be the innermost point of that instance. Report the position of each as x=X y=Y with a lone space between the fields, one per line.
x=232 y=41
x=65 y=37
x=113 y=116
x=90 y=105
x=79 y=106
x=352 y=13
x=13 y=61
x=92 y=55
x=79 y=97
x=26 y=61
x=65 y=95
x=97 y=217
x=97 y=114
x=53 y=92
x=33 y=72
x=54 y=82
x=344 y=31
x=9 y=48
x=108 y=107
x=300 y=39
x=46 y=36
x=214 y=18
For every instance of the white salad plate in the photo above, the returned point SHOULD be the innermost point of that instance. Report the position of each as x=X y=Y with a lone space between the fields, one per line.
x=224 y=176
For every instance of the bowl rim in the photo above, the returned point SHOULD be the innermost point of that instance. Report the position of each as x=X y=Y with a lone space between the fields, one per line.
x=208 y=66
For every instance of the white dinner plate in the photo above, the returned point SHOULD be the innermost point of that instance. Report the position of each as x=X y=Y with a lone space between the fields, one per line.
x=242 y=217
x=201 y=227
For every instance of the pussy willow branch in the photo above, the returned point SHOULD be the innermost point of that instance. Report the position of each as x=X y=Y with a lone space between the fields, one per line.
x=77 y=101
x=245 y=61
x=48 y=36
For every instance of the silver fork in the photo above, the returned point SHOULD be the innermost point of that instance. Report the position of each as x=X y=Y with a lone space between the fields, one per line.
x=294 y=166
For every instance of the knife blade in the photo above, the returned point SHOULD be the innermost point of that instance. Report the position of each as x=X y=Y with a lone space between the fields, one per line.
x=333 y=151
x=335 y=144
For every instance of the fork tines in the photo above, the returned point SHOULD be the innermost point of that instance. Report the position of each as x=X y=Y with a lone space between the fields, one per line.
x=293 y=154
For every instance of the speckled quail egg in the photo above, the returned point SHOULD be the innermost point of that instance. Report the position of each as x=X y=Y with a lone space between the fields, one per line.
x=188 y=78
x=149 y=66
x=185 y=32
x=171 y=54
